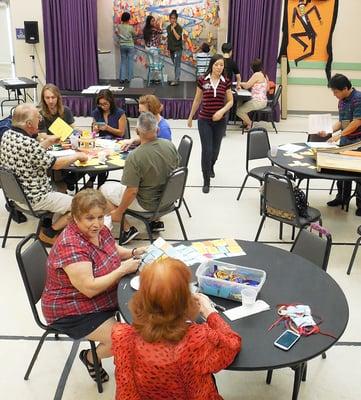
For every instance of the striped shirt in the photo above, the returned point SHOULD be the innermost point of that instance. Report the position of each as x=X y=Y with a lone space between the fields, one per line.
x=350 y=109
x=214 y=97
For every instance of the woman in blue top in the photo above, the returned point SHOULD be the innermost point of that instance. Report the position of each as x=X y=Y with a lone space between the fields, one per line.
x=109 y=121
x=151 y=103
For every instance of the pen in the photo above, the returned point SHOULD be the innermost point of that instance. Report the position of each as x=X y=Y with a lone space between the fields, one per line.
x=218 y=306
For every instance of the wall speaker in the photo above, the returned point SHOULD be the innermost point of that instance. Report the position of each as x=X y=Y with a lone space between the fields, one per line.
x=31 y=32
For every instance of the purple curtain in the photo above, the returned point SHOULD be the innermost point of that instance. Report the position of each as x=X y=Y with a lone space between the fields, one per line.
x=70 y=31
x=254 y=27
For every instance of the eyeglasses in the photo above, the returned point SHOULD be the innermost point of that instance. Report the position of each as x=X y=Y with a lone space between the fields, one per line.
x=104 y=104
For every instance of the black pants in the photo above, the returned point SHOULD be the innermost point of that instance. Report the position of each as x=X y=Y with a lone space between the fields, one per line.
x=211 y=134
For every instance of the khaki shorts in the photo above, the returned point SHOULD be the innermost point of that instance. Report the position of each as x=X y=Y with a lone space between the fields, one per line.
x=55 y=202
x=113 y=192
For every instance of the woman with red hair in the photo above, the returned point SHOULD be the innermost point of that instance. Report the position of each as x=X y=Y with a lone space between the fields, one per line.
x=164 y=354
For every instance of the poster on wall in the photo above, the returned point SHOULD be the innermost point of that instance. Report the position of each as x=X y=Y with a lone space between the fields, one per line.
x=308 y=27
x=199 y=19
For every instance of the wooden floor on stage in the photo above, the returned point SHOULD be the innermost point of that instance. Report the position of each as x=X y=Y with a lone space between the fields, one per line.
x=185 y=90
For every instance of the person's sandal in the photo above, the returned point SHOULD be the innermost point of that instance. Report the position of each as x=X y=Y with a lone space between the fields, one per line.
x=104 y=377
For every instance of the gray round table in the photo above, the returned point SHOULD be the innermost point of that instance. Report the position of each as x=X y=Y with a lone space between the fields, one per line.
x=290 y=279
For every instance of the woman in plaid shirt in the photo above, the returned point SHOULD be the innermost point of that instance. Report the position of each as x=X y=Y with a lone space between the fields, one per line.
x=84 y=268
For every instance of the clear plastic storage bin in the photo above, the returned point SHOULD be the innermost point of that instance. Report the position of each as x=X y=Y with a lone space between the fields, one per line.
x=227 y=289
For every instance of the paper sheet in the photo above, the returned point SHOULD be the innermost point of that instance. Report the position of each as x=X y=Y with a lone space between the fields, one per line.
x=291 y=148
x=116 y=160
x=244 y=311
x=61 y=129
x=94 y=89
x=61 y=153
x=318 y=123
x=90 y=163
x=321 y=145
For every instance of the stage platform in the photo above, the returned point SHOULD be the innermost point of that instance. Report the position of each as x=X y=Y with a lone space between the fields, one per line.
x=177 y=100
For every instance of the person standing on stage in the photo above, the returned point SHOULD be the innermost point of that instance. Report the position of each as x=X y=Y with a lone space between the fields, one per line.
x=215 y=91
x=126 y=35
x=175 y=45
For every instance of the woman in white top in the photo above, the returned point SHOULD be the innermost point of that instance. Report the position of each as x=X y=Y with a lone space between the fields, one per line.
x=258 y=84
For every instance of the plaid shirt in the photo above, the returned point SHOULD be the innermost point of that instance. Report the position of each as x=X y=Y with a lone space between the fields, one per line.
x=350 y=109
x=60 y=298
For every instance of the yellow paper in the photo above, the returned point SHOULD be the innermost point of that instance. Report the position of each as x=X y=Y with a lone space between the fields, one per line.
x=90 y=163
x=199 y=247
x=220 y=242
x=117 y=161
x=61 y=129
x=234 y=249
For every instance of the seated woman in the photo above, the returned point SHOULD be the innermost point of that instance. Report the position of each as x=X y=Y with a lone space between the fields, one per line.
x=84 y=267
x=151 y=103
x=164 y=354
x=258 y=84
x=51 y=108
x=109 y=121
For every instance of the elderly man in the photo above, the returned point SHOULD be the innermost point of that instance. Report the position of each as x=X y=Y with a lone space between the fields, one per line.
x=145 y=173
x=349 y=125
x=24 y=153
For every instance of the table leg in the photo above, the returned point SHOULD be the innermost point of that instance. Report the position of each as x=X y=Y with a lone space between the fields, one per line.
x=297 y=381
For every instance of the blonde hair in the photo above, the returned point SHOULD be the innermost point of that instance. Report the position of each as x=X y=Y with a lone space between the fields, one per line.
x=85 y=200
x=59 y=104
x=152 y=102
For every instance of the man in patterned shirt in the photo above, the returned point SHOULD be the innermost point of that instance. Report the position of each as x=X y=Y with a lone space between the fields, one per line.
x=26 y=156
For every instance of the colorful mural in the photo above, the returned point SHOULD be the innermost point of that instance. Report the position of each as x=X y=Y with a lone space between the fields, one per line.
x=199 y=18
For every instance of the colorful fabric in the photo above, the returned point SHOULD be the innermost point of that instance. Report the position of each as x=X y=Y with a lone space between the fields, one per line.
x=214 y=98
x=179 y=371
x=30 y=162
x=259 y=91
x=60 y=298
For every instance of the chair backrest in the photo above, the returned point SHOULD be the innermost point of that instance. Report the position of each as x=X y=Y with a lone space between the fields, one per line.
x=173 y=189
x=257 y=144
x=12 y=187
x=313 y=248
x=136 y=83
x=276 y=97
x=155 y=59
x=278 y=195
x=127 y=130
x=31 y=257
x=184 y=150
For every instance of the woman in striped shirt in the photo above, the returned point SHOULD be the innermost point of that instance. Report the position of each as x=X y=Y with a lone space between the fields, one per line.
x=214 y=93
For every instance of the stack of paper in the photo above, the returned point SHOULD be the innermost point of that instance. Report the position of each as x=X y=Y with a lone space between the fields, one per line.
x=319 y=123
x=94 y=89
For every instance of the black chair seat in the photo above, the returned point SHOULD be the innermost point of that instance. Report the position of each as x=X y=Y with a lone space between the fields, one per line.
x=259 y=172
x=313 y=215
x=267 y=109
x=149 y=215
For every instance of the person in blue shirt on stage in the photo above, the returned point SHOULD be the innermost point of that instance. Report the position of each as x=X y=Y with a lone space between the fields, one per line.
x=109 y=121
x=151 y=103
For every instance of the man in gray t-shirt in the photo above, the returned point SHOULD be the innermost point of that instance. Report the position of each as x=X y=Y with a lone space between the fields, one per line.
x=145 y=173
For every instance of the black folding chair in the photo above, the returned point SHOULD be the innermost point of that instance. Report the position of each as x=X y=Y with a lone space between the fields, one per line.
x=267 y=113
x=184 y=150
x=31 y=257
x=279 y=204
x=357 y=244
x=170 y=201
x=16 y=200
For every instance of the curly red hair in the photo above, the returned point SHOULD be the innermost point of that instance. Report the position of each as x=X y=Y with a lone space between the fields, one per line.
x=164 y=302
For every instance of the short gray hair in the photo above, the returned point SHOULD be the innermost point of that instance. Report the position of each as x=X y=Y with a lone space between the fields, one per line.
x=23 y=113
x=147 y=123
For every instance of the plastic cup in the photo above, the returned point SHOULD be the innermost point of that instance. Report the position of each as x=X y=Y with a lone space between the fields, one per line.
x=274 y=150
x=249 y=296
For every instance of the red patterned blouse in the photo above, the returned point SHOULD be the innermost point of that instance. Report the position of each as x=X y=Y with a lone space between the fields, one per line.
x=60 y=298
x=168 y=371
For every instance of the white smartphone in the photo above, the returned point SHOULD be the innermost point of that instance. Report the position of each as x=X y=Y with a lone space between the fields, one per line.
x=287 y=340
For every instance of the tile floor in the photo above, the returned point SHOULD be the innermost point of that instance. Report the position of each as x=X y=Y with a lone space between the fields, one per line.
x=216 y=214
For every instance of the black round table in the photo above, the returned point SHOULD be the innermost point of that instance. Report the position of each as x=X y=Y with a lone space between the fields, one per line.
x=303 y=171
x=290 y=279
x=93 y=169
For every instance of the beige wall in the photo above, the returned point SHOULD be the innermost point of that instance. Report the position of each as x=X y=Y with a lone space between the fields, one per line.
x=21 y=11
x=346 y=48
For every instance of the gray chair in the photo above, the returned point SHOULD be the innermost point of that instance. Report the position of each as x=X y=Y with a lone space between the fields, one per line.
x=184 y=150
x=155 y=64
x=278 y=195
x=257 y=148
x=31 y=257
x=354 y=251
x=267 y=113
x=14 y=195
x=316 y=249
x=170 y=201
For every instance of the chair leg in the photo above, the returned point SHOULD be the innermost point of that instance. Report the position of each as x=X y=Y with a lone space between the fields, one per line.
x=181 y=224
x=242 y=187
x=186 y=207
x=260 y=228
x=304 y=373
x=36 y=353
x=332 y=186
x=307 y=188
x=274 y=126
x=6 y=230
x=149 y=231
x=269 y=376
x=281 y=231
x=323 y=356
x=293 y=233
x=121 y=229
x=353 y=255
x=96 y=366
